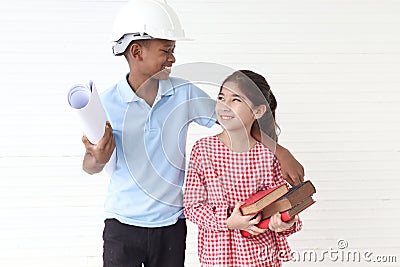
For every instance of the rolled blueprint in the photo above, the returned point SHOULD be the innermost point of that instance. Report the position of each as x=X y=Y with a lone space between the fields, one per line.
x=85 y=100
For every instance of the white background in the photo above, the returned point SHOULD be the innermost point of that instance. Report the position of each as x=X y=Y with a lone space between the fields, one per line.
x=333 y=65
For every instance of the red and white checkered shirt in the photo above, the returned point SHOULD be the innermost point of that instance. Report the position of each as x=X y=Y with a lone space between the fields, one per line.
x=217 y=178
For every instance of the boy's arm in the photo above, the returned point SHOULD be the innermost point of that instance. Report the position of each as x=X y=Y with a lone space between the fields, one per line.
x=292 y=170
x=97 y=156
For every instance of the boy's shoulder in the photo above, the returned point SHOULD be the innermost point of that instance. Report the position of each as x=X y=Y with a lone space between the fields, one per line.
x=110 y=95
x=109 y=90
x=113 y=88
x=177 y=82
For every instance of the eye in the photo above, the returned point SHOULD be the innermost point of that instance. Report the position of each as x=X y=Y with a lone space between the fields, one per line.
x=236 y=100
x=220 y=98
x=167 y=51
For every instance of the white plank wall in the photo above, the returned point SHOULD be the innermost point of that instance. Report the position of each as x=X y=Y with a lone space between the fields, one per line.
x=333 y=65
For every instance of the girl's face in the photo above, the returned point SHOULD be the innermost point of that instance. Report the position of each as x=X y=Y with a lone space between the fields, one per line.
x=233 y=109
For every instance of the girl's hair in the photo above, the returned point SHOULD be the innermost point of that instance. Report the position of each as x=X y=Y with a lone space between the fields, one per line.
x=256 y=88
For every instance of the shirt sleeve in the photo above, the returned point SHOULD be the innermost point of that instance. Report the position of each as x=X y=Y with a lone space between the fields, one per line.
x=202 y=107
x=198 y=206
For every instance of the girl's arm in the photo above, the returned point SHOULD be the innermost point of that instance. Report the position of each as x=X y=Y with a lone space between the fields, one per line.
x=198 y=207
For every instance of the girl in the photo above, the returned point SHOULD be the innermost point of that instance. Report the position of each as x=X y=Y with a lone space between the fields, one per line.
x=226 y=169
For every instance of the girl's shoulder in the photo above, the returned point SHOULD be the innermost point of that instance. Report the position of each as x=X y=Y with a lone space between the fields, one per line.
x=262 y=149
x=203 y=148
x=208 y=142
x=210 y=145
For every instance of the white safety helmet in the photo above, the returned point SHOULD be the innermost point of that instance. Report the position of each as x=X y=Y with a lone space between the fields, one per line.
x=145 y=19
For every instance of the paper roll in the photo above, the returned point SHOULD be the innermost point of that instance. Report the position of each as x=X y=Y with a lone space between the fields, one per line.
x=85 y=100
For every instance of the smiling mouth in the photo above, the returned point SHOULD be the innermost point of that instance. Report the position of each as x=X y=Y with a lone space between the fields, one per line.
x=225 y=117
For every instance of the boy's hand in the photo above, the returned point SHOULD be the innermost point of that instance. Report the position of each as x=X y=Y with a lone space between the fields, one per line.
x=276 y=224
x=292 y=170
x=98 y=155
x=240 y=222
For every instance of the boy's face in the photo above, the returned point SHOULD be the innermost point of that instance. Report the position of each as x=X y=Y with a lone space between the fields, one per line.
x=158 y=57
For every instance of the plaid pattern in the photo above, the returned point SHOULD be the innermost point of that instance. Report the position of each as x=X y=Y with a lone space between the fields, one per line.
x=217 y=178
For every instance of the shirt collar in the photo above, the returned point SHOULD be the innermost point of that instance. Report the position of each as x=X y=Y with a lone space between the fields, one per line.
x=165 y=88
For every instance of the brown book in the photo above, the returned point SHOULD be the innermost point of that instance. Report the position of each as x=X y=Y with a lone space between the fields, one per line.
x=271 y=201
x=295 y=195
x=298 y=208
x=289 y=214
x=286 y=215
x=261 y=199
x=277 y=206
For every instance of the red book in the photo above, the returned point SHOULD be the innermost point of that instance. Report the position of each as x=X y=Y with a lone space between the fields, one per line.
x=261 y=199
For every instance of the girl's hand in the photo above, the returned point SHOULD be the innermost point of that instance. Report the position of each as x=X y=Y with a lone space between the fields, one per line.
x=276 y=224
x=240 y=222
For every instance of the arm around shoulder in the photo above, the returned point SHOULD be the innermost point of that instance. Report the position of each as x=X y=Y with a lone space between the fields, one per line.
x=292 y=170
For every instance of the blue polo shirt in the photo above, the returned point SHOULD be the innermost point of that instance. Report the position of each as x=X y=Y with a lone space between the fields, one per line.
x=145 y=188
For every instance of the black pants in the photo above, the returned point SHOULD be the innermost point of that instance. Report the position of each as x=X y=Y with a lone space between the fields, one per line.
x=130 y=246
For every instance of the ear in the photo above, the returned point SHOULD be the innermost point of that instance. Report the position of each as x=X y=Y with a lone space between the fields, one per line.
x=259 y=111
x=135 y=51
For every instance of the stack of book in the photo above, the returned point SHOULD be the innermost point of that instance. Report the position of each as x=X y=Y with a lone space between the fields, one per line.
x=288 y=202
